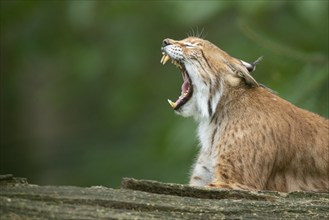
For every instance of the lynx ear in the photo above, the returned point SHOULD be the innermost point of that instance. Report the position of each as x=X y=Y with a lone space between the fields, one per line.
x=248 y=78
x=242 y=72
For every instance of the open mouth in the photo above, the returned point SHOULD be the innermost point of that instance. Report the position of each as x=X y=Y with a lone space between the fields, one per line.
x=187 y=88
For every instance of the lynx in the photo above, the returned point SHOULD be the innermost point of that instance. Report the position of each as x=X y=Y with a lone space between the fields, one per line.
x=250 y=138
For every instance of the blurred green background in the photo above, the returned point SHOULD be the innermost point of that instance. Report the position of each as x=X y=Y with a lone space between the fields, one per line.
x=83 y=93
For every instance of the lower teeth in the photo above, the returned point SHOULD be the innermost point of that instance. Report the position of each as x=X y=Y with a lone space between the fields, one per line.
x=173 y=104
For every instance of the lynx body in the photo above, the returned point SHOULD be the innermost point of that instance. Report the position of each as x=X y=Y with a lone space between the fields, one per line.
x=250 y=138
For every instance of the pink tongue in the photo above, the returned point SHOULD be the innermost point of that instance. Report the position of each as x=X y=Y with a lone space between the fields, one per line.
x=185 y=86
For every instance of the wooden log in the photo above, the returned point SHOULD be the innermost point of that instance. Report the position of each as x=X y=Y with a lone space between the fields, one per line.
x=144 y=199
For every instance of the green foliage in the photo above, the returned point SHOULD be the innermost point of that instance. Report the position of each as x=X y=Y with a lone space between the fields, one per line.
x=83 y=93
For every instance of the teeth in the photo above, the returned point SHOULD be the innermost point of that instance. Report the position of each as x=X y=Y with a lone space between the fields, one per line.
x=173 y=104
x=176 y=63
x=164 y=59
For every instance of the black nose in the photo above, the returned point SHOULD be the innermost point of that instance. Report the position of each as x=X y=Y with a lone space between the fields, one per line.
x=165 y=42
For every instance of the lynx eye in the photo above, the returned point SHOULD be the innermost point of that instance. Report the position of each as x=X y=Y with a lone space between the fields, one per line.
x=189 y=45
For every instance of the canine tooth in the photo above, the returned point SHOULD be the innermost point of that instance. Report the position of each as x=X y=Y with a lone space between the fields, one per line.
x=162 y=58
x=166 y=58
x=173 y=104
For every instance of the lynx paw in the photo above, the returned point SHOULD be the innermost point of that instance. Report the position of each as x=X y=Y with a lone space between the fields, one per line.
x=235 y=186
x=220 y=185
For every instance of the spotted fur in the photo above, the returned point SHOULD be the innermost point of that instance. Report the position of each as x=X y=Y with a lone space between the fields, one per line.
x=250 y=138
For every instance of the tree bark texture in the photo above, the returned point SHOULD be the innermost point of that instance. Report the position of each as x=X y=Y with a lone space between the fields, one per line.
x=144 y=199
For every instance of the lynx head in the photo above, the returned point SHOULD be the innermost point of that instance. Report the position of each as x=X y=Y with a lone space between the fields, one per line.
x=208 y=73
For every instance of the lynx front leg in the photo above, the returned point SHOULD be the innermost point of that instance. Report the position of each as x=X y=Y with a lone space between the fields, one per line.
x=202 y=174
